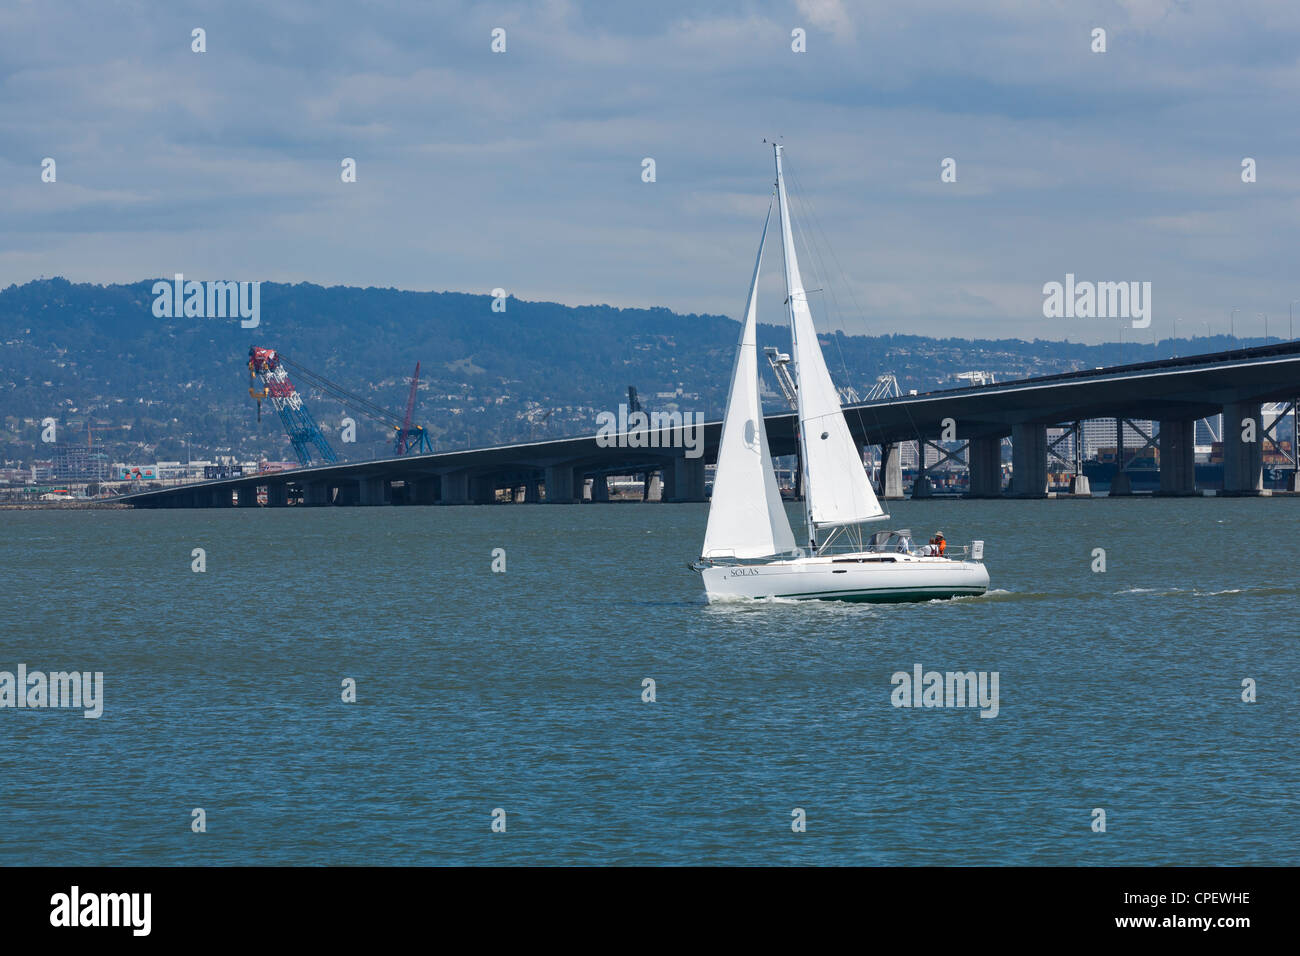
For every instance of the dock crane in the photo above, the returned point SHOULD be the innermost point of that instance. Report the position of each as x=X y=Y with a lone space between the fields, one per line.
x=272 y=369
x=411 y=438
x=304 y=434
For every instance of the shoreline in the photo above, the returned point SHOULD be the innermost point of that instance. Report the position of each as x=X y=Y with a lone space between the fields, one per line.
x=62 y=505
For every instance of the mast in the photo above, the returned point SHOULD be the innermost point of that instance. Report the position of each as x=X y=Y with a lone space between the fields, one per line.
x=787 y=246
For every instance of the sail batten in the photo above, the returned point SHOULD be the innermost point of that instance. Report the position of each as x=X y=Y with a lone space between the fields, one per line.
x=835 y=485
x=746 y=516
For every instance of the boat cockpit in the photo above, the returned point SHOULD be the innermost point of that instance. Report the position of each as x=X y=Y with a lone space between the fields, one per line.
x=899 y=541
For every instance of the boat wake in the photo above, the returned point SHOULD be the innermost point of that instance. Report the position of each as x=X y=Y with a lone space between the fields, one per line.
x=1266 y=591
x=991 y=595
x=733 y=601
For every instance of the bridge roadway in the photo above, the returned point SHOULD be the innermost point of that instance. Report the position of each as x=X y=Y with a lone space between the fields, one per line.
x=1174 y=392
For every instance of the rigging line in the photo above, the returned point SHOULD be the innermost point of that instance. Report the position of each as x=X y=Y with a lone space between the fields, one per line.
x=855 y=533
x=817 y=225
x=349 y=400
x=824 y=273
x=806 y=207
x=804 y=485
x=339 y=393
x=320 y=381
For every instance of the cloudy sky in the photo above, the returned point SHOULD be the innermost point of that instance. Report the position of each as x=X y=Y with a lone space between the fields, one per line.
x=522 y=170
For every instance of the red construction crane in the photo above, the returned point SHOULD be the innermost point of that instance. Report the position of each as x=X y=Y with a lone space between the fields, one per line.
x=410 y=438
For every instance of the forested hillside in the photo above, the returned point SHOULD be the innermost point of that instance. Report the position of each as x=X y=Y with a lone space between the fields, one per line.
x=96 y=357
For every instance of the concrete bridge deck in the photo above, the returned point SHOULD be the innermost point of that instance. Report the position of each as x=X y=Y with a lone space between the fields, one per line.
x=1175 y=392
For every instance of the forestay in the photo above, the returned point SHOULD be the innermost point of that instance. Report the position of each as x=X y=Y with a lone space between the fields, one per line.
x=835 y=484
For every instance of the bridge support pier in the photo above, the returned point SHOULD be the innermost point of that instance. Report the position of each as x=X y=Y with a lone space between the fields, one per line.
x=684 y=480
x=453 y=489
x=922 y=487
x=600 y=488
x=563 y=484
x=1029 y=461
x=984 y=459
x=533 y=492
x=372 y=491
x=248 y=496
x=482 y=491
x=222 y=498
x=277 y=494
x=654 y=490
x=1177 y=457
x=422 y=491
x=891 y=473
x=315 y=493
x=1243 y=461
x=1121 y=484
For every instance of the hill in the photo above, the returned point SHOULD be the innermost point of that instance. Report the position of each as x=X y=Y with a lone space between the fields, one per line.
x=147 y=388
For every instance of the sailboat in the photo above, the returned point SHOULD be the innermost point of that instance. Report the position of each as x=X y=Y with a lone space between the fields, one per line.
x=749 y=547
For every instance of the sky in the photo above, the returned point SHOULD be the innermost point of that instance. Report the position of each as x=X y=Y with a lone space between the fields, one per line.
x=522 y=170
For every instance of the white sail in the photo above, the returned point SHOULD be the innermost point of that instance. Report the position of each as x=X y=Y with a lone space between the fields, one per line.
x=835 y=484
x=746 y=517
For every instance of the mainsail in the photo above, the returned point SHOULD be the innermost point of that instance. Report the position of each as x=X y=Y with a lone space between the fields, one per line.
x=835 y=485
x=746 y=517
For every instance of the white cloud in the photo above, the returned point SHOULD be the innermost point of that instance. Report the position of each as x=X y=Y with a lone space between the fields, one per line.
x=828 y=15
x=523 y=169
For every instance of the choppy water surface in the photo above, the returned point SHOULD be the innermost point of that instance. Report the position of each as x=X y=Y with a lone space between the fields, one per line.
x=522 y=691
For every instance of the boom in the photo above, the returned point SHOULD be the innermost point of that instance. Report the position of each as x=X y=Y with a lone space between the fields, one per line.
x=303 y=432
x=271 y=366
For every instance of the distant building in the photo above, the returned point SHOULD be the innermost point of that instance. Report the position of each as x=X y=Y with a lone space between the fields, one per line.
x=1065 y=446
x=1100 y=433
x=77 y=462
x=1208 y=431
x=910 y=455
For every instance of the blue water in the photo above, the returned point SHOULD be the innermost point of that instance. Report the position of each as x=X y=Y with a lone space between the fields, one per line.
x=522 y=690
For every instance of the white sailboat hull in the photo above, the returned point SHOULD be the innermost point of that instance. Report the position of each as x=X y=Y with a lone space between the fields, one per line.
x=866 y=576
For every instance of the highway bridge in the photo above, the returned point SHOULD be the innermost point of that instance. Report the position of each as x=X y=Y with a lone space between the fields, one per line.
x=1175 y=392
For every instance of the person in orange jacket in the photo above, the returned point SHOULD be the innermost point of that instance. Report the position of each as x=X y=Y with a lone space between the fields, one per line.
x=943 y=545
